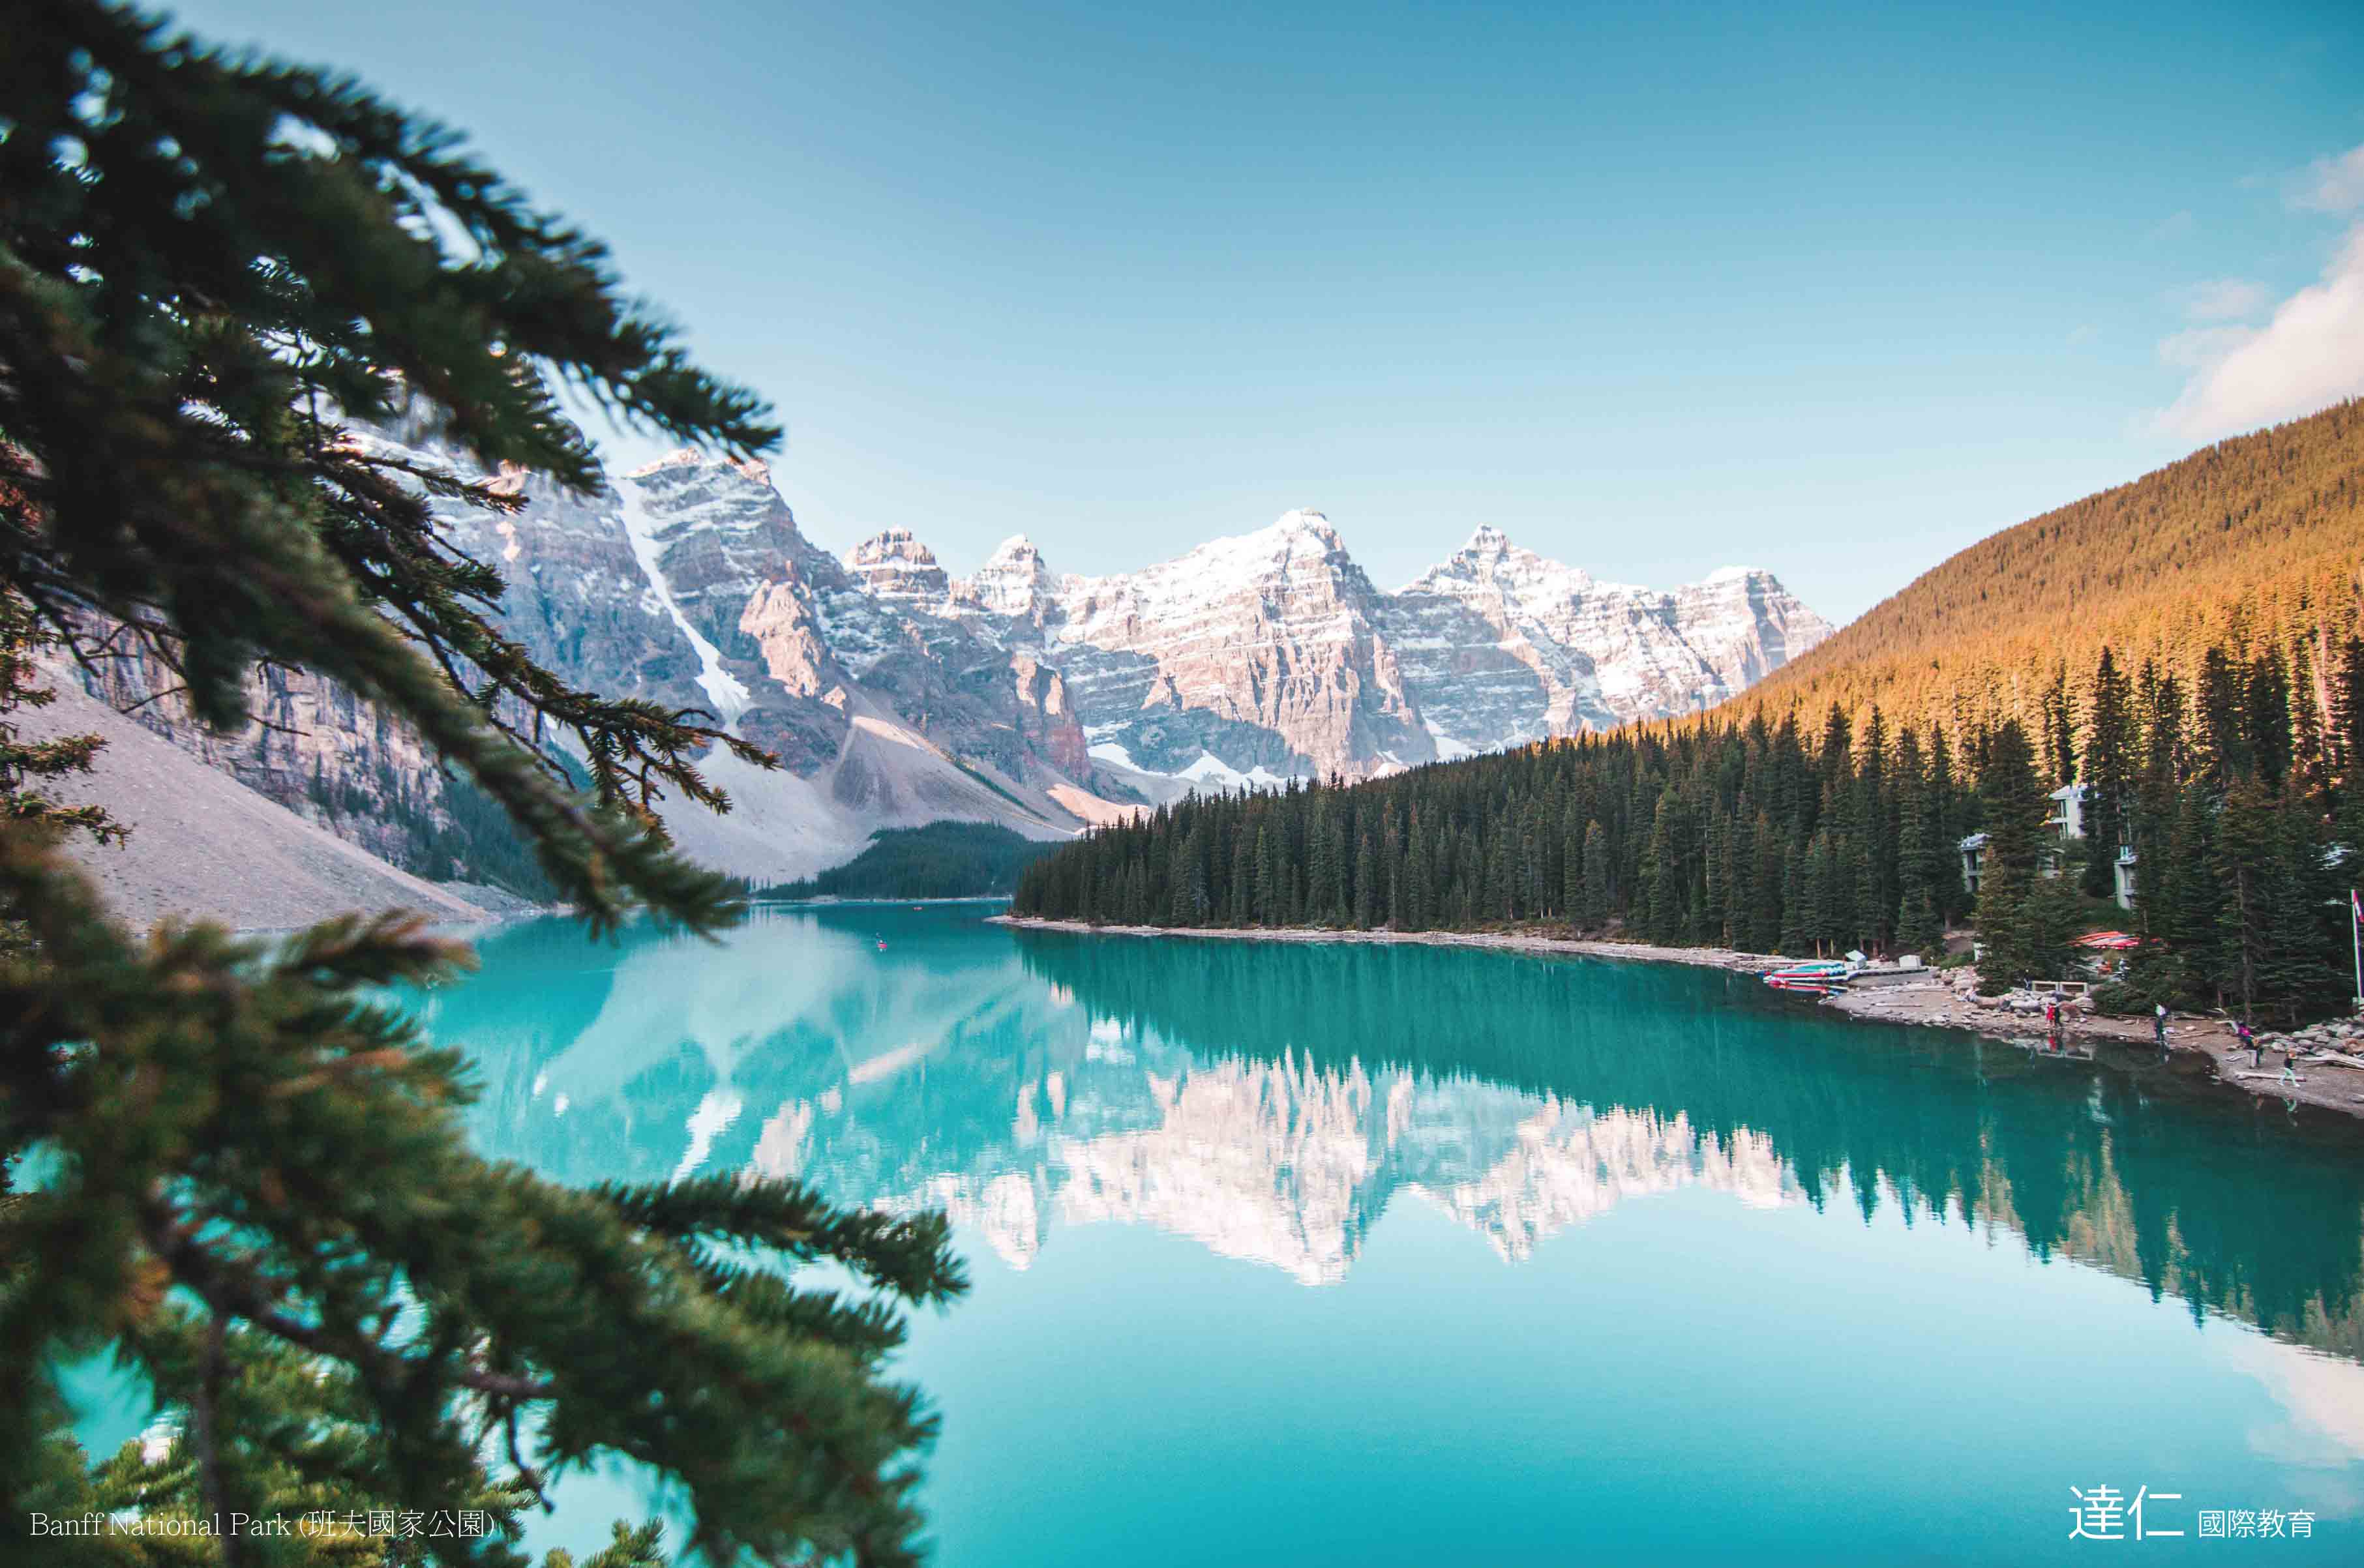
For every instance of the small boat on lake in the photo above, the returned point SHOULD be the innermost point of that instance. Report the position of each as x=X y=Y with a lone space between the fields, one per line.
x=1815 y=977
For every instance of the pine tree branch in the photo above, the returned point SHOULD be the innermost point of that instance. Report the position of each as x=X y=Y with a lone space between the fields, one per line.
x=232 y=1292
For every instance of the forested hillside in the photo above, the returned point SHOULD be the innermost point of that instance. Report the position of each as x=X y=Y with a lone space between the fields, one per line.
x=2250 y=542
x=2184 y=648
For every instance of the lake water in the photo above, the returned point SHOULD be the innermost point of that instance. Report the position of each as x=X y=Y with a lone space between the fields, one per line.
x=1403 y=1255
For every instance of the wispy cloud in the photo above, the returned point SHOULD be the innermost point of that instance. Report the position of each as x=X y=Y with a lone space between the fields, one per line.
x=2221 y=299
x=2331 y=185
x=2310 y=354
x=2202 y=347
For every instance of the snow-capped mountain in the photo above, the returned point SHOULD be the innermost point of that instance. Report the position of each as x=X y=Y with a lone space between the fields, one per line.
x=1503 y=645
x=896 y=693
x=1050 y=700
x=1271 y=654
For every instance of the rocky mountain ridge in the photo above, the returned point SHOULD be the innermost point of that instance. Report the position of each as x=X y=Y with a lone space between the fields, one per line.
x=1271 y=654
x=895 y=693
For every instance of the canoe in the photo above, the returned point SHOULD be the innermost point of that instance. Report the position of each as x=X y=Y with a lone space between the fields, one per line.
x=1817 y=983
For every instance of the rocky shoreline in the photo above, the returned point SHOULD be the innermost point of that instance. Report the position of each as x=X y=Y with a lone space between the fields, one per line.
x=1937 y=998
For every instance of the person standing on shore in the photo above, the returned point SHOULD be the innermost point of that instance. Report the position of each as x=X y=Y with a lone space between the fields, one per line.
x=2159 y=1028
x=2244 y=1035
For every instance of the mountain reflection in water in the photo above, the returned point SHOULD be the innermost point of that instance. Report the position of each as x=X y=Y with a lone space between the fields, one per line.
x=1430 y=1255
x=1271 y=1101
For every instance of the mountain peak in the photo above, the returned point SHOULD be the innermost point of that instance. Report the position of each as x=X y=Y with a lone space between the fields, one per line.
x=1298 y=531
x=1489 y=557
x=894 y=564
x=680 y=457
x=1014 y=580
x=690 y=457
x=890 y=544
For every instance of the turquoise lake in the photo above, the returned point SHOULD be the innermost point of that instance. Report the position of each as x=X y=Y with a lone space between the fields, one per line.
x=1288 y=1254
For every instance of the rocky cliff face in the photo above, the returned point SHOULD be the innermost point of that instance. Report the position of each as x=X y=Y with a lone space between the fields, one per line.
x=895 y=693
x=315 y=749
x=1259 y=656
x=1517 y=647
x=1249 y=659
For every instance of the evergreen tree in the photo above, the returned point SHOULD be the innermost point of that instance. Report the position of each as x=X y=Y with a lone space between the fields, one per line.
x=1727 y=858
x=2108 y=775
x=2306 y=969
x=258 y=1194
x=1764 y=922
x=1920 y=920
x=2060 y=730
x=2012 y=804
x=1244 y=879
x=2184 y=906
x=2266 y=720
x=1366 y=885
x=1188 y=899
x=1795 y=931
x=2282 y=941
x=1593 y=909
x=1817 y=892
x=1572 y=902
x=1949 y=827
x=1395 y=860
x=2159 y=796
x=1268 y=879
x=1666 y=872
x=1420 y=881
x=2223 y=715
x=1919 y=928
x=2244 y=864
x=2347 y=710
x=2310 y=753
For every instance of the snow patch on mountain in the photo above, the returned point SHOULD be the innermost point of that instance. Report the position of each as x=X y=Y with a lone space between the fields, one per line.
x=1212 y=772
x=726 y=692
x=1449 y=748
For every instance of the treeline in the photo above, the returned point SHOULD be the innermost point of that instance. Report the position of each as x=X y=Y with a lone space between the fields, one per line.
x=2227 y=785
x=2252 y=540
x=941 y=860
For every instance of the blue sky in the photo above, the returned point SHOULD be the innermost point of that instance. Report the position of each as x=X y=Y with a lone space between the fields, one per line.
x=1834 y=290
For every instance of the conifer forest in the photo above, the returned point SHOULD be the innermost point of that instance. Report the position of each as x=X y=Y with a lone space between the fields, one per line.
x=2231 y=787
